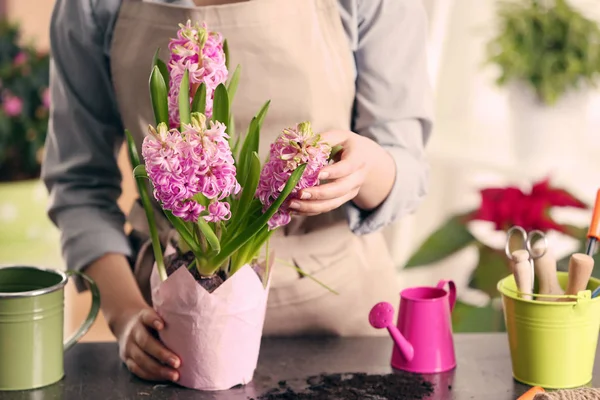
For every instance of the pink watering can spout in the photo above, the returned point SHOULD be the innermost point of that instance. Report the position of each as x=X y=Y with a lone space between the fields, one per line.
x=423 y=332
x=382 y=316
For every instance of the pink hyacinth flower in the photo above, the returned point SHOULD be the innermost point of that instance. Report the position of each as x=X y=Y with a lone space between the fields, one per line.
x=196 y=161
x=294 y=147
x=201 y=53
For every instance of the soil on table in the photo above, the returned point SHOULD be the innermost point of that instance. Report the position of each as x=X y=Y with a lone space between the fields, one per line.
x=355 y=386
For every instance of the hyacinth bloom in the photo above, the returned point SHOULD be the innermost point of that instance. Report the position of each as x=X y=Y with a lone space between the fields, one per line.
x=196 y=161
x=195 y=175
x=295 y=146
x=201 y=53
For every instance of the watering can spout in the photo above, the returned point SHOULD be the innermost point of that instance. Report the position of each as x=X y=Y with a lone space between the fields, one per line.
x=406 y=348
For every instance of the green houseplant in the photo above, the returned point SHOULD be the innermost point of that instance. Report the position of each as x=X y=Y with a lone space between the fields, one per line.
x=501 y=208
x=547 y=54
x=547 y=45
x=24 y=111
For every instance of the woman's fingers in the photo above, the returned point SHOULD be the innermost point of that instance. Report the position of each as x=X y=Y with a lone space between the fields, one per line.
x=153 y=347
x=151 y=319
x=321 y=206
x=334 y=189
x=148 y=368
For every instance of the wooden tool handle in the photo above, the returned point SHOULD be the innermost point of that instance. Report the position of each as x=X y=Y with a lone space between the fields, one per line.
x=545 y=273
x=580 y=270
x=523 y=273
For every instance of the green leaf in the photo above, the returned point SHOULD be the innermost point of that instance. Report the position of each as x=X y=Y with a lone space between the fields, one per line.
x=249 y=232
x=199 y=102
x=184 y=233
x=467 y=318
x=226 y=51
x=252 y=141
x=249 y=187
x=306 y=274
x=233 y=84
x=491 y=268
x=221 y=105
x=161 y=66
x=211 y=238
x=445 y=241
x=139 y=172
x=158 y=95
x=262 y=113
x=184 y=99
x=132 y=149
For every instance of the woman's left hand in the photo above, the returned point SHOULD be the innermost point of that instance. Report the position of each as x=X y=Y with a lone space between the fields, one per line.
x=359 y=157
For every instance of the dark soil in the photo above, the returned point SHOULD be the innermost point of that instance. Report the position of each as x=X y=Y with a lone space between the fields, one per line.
x=175 y=261
x=357 y=386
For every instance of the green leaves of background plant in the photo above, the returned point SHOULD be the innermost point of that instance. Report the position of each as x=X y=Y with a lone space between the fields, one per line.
x=552 y=48
x=491 y=268
x=446 y=240
x=470 y=318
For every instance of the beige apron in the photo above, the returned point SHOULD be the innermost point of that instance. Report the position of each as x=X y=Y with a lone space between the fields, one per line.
x=295 y=53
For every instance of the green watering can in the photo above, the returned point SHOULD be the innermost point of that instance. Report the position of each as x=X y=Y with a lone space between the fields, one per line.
x=31 y=325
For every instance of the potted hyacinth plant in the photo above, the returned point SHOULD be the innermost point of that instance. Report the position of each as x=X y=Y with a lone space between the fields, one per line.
x=211 y=289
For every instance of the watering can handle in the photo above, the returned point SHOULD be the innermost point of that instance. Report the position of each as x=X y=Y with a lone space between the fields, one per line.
x=95 y=307
x=451 y=291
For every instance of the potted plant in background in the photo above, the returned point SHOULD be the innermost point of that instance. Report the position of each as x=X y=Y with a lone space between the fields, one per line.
x=548 y=55
x=211 y=288
x=24 y=105
x=500 y=209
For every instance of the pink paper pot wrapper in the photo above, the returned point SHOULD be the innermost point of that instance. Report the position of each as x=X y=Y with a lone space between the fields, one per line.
x=217 y=335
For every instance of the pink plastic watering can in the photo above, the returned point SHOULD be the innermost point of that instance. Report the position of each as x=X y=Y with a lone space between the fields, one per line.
x=423 y=334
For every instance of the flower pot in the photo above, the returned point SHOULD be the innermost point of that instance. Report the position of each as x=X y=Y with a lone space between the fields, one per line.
x=27 y=236
x=217 y=335
x=544 y=136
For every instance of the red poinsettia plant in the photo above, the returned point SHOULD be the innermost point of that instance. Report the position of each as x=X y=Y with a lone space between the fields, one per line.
x=503 y=207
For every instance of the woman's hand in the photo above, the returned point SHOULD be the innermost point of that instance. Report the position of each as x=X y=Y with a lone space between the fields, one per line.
x=143 y=354
x=364 y=174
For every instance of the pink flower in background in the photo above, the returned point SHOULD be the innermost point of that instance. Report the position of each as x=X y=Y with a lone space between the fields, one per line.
x=46 y=98
x=184 y=164
x=201 y=53
x=20 y=59
x=12 y=105
x=294 y=147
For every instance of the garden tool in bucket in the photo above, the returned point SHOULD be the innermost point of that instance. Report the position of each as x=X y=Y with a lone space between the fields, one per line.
x=552 y=339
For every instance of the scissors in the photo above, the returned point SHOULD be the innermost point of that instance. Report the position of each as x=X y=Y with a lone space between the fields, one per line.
x=527 y=244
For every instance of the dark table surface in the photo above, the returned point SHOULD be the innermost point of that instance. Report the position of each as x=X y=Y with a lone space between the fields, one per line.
x=94 y=371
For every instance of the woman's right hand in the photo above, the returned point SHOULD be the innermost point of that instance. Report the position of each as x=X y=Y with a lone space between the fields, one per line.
x=144 y=355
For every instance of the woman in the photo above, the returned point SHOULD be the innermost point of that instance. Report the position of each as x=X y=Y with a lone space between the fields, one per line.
x=355 y=69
